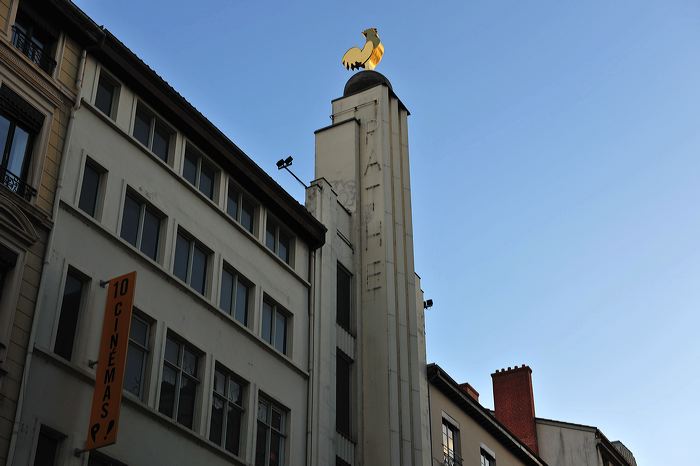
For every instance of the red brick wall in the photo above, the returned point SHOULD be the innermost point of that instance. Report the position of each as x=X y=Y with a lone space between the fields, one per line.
x=514 y=403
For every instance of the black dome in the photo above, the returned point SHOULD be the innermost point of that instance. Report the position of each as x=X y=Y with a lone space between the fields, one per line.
x=365 y=80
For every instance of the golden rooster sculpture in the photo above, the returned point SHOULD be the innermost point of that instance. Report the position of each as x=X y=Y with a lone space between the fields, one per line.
x=369 y=56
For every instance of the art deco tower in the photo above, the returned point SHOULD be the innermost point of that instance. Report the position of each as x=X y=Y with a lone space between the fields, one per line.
x=369 y=403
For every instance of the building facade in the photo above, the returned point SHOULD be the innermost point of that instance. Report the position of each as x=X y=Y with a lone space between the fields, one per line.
x=39 y=80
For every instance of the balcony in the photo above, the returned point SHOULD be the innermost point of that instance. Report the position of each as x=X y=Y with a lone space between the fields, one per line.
x=450 y=458
x=33 y=49
x=16 y=184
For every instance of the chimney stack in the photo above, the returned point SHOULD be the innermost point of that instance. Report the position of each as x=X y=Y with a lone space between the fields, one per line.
x=514 y=403
x=469 y=390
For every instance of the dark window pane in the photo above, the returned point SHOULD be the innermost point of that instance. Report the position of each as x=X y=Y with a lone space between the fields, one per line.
x=4 y=132
x=206 y=180
x=105 y=96
x=343 y=298
x=150 y=234
x=226 y=300
x=232 y=202
x=130 y=219
x=90 y=190
x=199 y=270
x=18 y=151
x=235 y=392
x=189 y=169
x=161 y=141
x=135 y=365
x=284 y=243
x=167 y=391
x=261 y=445
x=68 y=320
x=270 y=231
x=247 y=214
x=172 y=351
x=216 y=429
x=220 y=382
x=342 y=394
x=46 y=449
x=280 y=332
x=267 y=323
x=242 y=303
x=182 y=257
x=276 y=450
x=185 y=407
x=233 y=430
x=189 y=362
x=142 y=125
x=139 y=331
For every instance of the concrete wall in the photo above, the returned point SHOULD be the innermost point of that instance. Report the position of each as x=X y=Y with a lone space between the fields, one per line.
x=567 y=445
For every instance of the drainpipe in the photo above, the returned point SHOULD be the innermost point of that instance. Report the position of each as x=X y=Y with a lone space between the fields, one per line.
x=47 y=255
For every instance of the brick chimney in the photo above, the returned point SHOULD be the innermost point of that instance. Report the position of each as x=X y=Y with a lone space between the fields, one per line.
x=514 y=403
x=469 y=390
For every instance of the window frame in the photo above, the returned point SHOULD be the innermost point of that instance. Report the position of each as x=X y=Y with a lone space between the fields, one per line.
x=456 y=458
x=147 y=353
x=237 y=278
x=82 y=302
x=193 y=243
x=114 y=104
x=284 y=413
x=347 y=326
x=202 y=160
x=5 y=151
x=99 y=195
x=241 y=198
x=229 y=376
x=154 y=120
x=345 y=431
x=279 y=230
x=28 y=26
x=276 y=310
x=180 y=372
x=144 y=207
x=486 y=458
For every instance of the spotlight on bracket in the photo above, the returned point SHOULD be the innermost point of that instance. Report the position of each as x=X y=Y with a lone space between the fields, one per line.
x=284 y=163
x=427 y=304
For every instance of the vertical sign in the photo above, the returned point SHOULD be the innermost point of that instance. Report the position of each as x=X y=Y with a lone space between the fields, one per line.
x=107 y=398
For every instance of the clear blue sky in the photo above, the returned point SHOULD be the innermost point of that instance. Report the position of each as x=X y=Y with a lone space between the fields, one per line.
x=555 y=150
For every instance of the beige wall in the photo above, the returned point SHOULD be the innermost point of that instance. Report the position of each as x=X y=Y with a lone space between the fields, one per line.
x=472 y=435
x=567 y=444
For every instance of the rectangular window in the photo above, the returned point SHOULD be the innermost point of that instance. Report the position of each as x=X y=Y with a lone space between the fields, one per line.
x=343 y=298
x=137 y=356
x=450 y=445
x=34 y=41
x=100 y=459
x=235 y=295
x=200 y=173
x=152 y=132
x=178 y=388
x=107 y=95
x=47 y=447
x=70 y=310
x=8 y=260
x=271 y=435
x=278 y=240
x=274 y=326
x=240 y=208
x=226 y=411
x=90 y=189
x=487 y=459
x=191 y=262
x=141 y=225
x=343 y=393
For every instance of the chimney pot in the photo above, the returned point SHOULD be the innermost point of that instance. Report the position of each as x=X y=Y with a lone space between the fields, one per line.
x=514 y=403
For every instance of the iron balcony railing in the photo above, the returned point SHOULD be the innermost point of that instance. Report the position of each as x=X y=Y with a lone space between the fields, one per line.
x=16 y=184
x=36 y=53
x=451 y=459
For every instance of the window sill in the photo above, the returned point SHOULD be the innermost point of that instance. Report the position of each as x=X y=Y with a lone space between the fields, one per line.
x=202 y=300
x=214 y=205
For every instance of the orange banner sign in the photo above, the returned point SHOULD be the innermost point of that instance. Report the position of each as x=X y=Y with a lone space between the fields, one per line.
x=107 y=398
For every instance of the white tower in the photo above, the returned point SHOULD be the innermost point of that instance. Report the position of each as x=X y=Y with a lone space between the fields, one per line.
x=362 y=194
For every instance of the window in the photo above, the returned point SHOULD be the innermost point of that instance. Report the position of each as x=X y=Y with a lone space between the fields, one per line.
x=8 y=259
x=47 y=447
x=141 y=225
x=274 y=326
x=235 y=295
x=340 y=462
x=100 y=459
x=150 y=131
x=240 y=208
x=70 y=310
x=178 y=389
x=200 y=173
x=450 y=445
x=343 y=393
x=226 y=411
x=34 y=41
x=90 y=190
x=278 y=241
x=191 y=261
x=487 y=459
x=137 y=356
x=343 y=298
x=19 y=123
x=107 y=95
x=270 y=441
